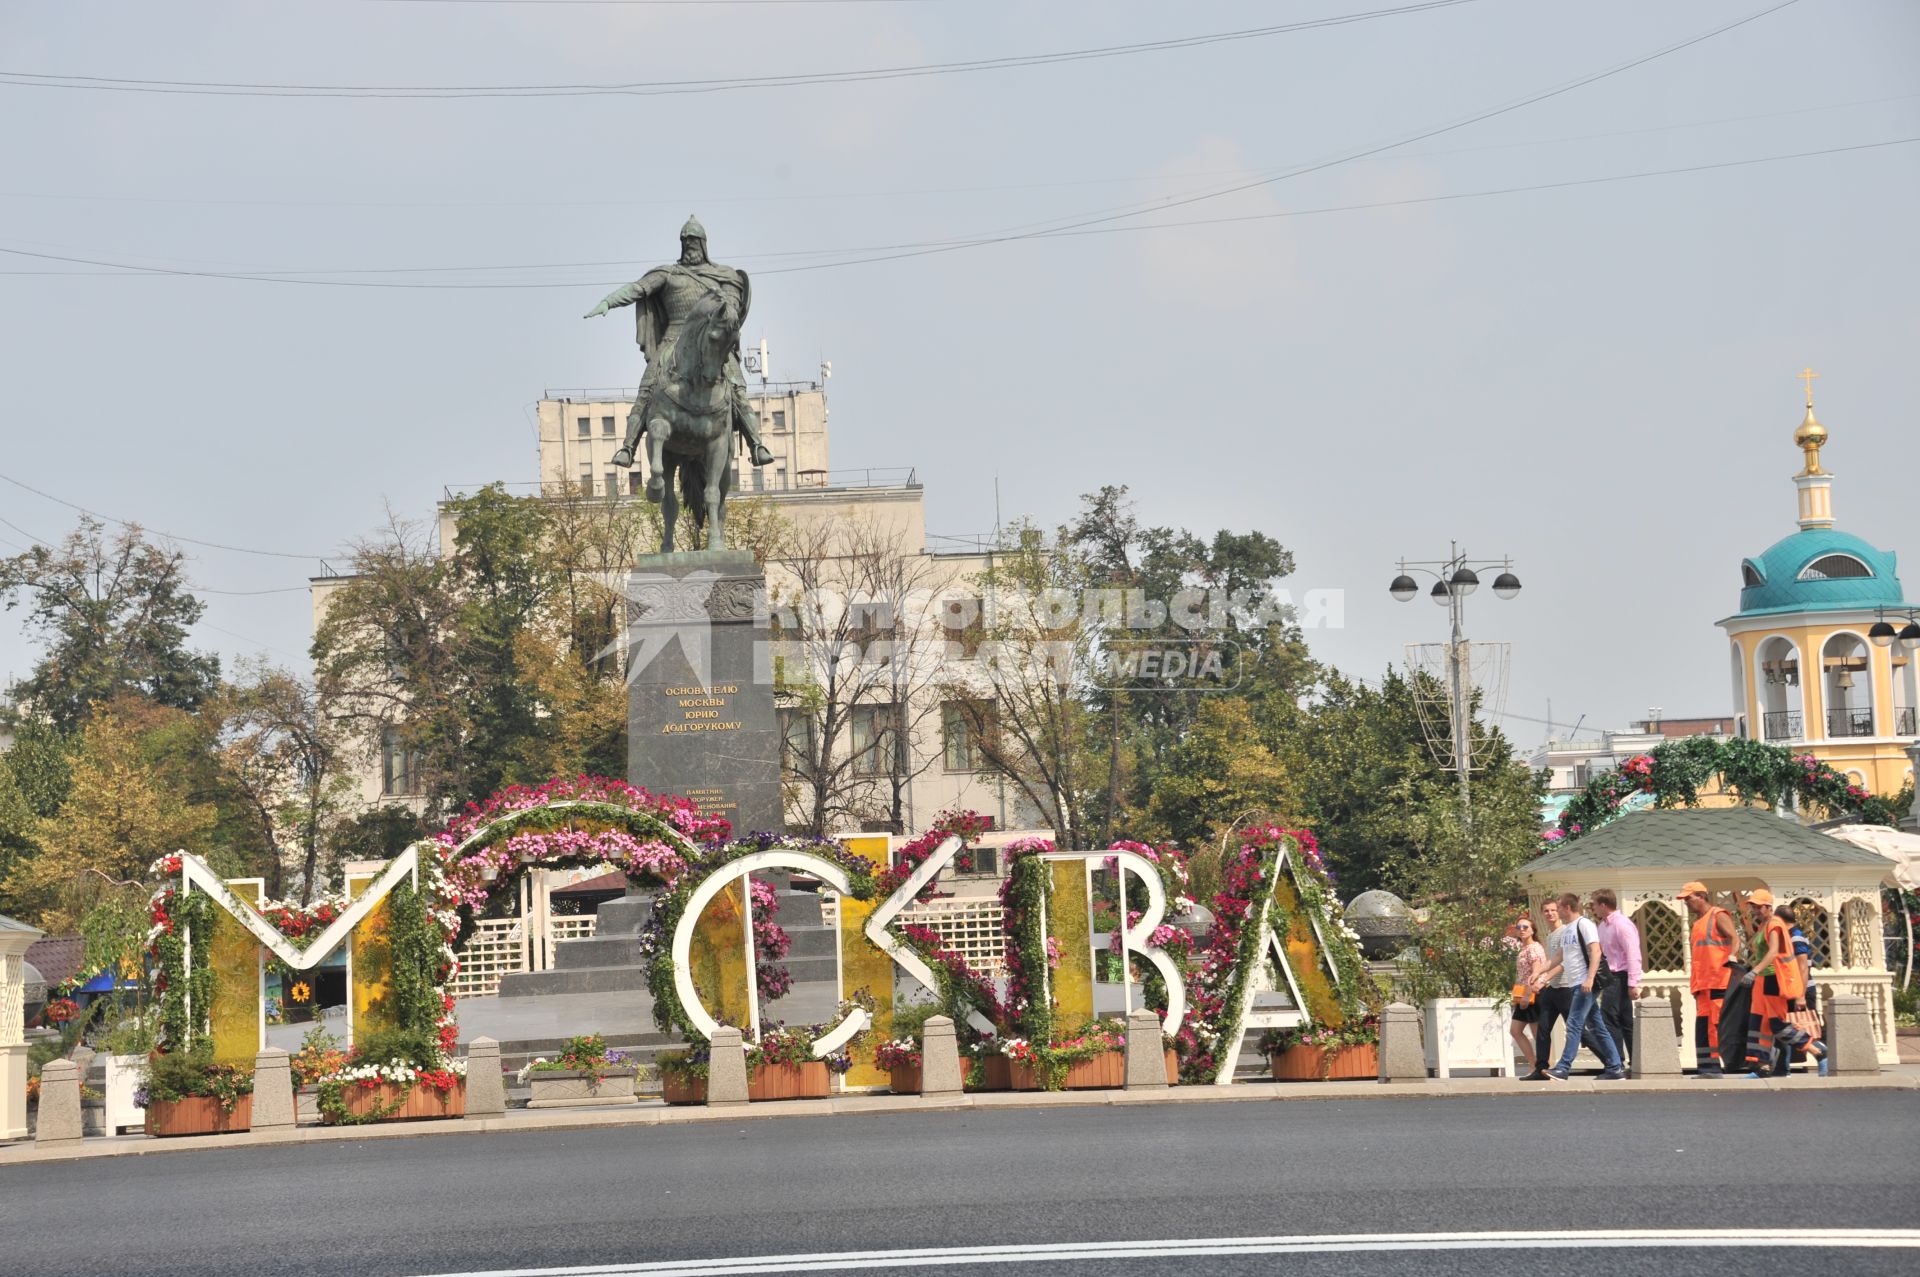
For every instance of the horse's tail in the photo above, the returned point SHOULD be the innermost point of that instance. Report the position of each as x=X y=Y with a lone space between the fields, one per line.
x=693 y=491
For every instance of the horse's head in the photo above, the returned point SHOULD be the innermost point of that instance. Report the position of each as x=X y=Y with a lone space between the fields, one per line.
x=705 y=342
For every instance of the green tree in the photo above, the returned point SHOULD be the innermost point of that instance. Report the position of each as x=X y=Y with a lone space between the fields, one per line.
x=1219 y=776
x=112 y=612
x=1382 y=805
x=139 y=791
x=284 y=756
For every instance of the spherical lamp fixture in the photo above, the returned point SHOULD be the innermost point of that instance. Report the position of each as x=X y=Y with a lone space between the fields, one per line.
x=1405 y=587
x=1439 y=593
x=1506 y=585
x=1465 y=582
x=1881 y=635
x=1910 y=637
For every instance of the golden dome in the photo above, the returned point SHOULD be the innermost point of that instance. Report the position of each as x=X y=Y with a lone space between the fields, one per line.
x=1811 y=434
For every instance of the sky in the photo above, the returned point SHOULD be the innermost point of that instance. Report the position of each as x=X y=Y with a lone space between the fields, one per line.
x=1364 y=341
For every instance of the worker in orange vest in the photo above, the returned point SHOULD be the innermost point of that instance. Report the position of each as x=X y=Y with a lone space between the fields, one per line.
x=1775 y=977
x=1713 y=941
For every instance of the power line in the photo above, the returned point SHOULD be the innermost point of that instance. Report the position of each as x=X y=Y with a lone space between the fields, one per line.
x=1488 y=114
x=127 y=269
x=654 y=88
x=127 y=523
x=677 y=201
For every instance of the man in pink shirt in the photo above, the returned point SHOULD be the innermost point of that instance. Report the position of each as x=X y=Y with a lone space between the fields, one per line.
x=1620 y=950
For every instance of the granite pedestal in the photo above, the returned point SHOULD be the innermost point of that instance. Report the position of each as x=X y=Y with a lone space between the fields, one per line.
x=700 y=720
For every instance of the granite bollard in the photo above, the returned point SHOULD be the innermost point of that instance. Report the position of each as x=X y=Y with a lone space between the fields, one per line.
x=486 y=1087
x=1146 y=1052
x=273 y=1108
x=726 y=1068
x=939 y=1057
x=59 y=1122
x=1403 y=1058
x=1656 y=1043
x=1851 y=1050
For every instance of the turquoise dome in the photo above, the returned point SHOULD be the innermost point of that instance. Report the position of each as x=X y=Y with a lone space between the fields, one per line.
x=1819 y=570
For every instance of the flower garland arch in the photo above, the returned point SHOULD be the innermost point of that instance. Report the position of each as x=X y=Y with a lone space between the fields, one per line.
x=1674 y=772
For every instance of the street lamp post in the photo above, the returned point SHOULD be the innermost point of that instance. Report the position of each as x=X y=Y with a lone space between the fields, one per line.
x=1454 y=578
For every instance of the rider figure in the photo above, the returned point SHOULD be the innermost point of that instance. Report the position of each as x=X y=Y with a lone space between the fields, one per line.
x=665 y=297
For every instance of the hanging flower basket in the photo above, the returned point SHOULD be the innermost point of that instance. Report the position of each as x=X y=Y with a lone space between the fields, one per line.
x=680 y=1088
x=904 y=1079
x=806 y=1081
x=405 y=1102
x=1327 y=1064
x=198 y=1115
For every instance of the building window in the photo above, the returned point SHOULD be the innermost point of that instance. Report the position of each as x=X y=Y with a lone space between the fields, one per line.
x=965 y=623
x=1835 y=567
x=400 y=767
x=759 y=479
x=606 y=426
x=779 y=419
x=963 y=731
x=613 y=483
x=586 y=478
x=796 y=736
x=877 y=747
x=780 y=478
x=634 y=482
x=584 y=425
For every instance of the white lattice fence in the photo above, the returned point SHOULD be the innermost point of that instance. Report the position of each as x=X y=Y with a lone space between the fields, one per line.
x=572 y=927
x=496 y=948
x=971 y=928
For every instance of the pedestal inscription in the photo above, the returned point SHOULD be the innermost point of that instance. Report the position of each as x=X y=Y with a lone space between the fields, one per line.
x=699 y=723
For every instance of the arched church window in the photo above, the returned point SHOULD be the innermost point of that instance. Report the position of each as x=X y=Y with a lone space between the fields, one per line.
x=1834 y=567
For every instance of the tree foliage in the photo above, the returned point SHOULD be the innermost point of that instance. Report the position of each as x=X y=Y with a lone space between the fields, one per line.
x=112 y=612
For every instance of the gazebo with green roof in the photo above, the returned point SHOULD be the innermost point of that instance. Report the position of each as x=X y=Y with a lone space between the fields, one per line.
x=1646 y=856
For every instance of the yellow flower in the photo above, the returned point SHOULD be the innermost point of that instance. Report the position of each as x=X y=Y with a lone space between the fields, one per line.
x=301 y=992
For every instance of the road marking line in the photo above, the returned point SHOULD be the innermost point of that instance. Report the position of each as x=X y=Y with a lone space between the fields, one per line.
x=1304 y=1244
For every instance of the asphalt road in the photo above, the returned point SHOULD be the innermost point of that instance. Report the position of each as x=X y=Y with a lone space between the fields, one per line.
x=644 y=1196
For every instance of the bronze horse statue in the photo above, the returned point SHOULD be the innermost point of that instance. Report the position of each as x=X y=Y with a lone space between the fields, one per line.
x=689 y=425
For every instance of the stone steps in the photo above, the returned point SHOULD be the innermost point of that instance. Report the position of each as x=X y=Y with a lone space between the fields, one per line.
x=609 y=961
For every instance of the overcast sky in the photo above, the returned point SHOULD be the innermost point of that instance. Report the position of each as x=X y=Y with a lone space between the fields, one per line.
x=1597 y=379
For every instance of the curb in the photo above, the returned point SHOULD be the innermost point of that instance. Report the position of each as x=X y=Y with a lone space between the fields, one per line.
x=654 y=1113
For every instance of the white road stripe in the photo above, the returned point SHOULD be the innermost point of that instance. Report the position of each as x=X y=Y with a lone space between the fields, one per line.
x=1304 y=1244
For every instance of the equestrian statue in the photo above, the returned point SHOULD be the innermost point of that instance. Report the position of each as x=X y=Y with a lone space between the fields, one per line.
x=693 y=397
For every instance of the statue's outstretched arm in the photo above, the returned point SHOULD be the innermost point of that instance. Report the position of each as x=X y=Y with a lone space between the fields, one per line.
x=625 y=295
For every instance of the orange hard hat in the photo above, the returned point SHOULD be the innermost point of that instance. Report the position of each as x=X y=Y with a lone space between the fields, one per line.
x=1759 y=896
x=1692 y=889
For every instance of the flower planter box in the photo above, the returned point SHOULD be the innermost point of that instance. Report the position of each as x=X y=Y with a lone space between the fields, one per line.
x=1108 y=1069
x=421 y=1102
x=198 y=1115
x=999 y=1076
x=123 y=1078
x=676 y=1088
x=577 y=1088
x=1323 y=1064
x=1469 y=1033
x=904 y=1079
x=808 y=1081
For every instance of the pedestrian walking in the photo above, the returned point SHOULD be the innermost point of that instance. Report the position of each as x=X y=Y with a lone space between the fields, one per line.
x=1529 y=957
x=1711 y=948
x=1775 y=984
x=1554 y=992
x=1803 y=1026
x=1620 y=947
x=1576 y=954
